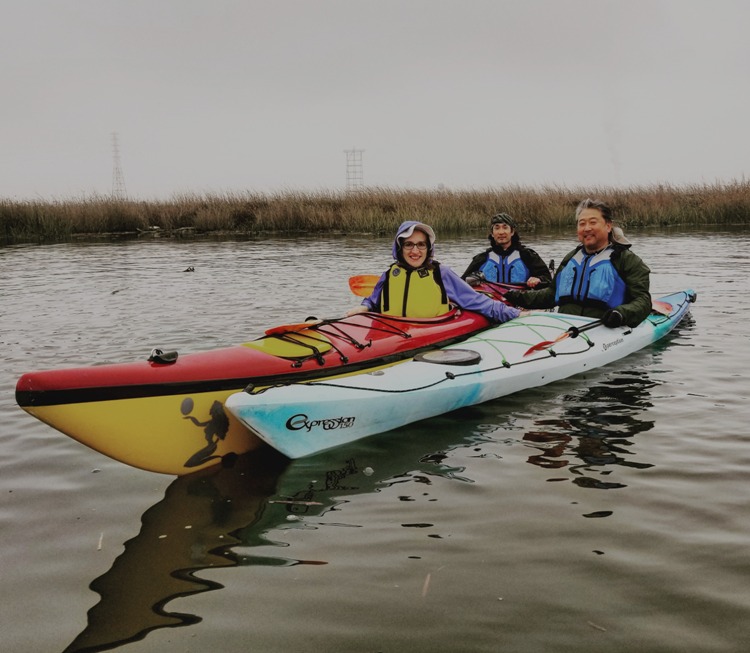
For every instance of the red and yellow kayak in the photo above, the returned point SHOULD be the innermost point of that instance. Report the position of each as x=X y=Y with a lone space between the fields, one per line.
x=166 y=414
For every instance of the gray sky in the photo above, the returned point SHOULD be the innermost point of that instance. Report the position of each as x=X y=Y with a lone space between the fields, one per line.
x=224 y=96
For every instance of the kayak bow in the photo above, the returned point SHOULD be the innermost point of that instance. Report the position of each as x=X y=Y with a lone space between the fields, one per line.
x=166 y=414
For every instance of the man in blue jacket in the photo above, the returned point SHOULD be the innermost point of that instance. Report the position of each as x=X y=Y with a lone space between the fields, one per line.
x=601 y=278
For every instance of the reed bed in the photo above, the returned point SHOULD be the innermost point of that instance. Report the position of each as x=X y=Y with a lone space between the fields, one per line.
x=369 y=211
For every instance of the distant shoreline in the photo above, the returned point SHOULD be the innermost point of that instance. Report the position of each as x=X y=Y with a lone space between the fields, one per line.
x=369 y=211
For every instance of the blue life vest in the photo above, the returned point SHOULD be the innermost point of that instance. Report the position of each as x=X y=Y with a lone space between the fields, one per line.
x=590 y=280
x=505 y=269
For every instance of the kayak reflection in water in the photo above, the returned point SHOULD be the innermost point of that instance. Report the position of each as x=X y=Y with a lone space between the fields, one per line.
x=418 y=286
x=596 y=432
x=191 y=529
x=221 y=518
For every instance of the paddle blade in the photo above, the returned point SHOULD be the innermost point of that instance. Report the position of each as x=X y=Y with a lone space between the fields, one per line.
x=665 y=308
x=546 y=344
x=362 y=285
x=292 y=328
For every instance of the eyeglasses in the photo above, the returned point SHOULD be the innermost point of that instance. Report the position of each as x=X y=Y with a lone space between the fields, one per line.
x=410 y=245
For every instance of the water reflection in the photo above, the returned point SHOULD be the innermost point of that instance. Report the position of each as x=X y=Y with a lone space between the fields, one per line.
x=596 y=430
x=190 y=529
x=221 y=517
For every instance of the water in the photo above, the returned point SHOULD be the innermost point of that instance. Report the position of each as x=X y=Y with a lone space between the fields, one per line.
x=605 y=512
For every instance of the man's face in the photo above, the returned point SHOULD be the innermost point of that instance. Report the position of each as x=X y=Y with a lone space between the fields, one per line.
x=593 y=230
x=502 y=234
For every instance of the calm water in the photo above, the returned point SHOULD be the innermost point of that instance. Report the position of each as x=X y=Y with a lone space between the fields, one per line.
x=609 y=512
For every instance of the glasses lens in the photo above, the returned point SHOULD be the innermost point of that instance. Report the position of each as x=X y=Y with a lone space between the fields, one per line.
x=410 y=245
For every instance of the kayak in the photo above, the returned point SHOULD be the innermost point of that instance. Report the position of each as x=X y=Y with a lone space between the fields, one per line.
x=166 y=414
x=302 y=419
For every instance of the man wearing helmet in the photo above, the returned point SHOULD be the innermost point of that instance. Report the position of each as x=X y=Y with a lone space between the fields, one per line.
x=507 y=260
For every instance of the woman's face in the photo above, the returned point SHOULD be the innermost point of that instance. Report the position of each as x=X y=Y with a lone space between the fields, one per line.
x=415 y=249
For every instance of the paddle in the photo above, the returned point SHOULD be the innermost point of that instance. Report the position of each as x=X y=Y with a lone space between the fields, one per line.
x=362 y=285
x=658 y=306
x=502 y=288
x=292 y=328
x=572 y=332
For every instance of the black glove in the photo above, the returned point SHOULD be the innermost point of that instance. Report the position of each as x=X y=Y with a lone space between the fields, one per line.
x=612 y=318
x=512 y=296
x=473 y=280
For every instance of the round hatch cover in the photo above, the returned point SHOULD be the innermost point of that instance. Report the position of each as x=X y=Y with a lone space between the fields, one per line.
x=449 y=357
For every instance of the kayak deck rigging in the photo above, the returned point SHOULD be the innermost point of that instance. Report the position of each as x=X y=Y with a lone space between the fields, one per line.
x=492 y=341
x=321 y=336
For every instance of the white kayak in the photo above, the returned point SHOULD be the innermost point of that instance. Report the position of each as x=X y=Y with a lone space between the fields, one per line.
x=302 y=419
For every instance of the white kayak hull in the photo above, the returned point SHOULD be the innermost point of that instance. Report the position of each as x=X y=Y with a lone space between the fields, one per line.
x=305 y=418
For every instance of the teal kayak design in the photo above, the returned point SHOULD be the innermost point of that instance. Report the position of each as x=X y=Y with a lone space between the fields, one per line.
x=302 y=419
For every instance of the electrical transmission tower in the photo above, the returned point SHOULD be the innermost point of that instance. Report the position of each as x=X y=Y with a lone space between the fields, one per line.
x=118 y=180
x=354 y=176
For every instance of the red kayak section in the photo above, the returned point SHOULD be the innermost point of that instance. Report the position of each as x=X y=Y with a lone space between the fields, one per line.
x=326 y=348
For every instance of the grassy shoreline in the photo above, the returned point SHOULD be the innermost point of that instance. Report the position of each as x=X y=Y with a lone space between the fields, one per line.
x=376 y=210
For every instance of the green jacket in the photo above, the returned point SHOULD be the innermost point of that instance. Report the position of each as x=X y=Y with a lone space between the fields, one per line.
x=633 y=271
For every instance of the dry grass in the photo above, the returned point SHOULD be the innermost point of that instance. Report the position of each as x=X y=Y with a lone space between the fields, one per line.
x=375 y=210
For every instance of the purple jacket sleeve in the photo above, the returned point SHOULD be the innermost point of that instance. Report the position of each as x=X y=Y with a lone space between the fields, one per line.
x=373 y=301
x=461 y=293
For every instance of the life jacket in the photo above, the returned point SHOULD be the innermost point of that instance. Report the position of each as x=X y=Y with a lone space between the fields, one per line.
x=505 y=269
x=408 y=292
x=590 y=280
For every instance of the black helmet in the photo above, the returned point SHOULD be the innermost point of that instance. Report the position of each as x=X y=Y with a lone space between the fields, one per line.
x=503 y=218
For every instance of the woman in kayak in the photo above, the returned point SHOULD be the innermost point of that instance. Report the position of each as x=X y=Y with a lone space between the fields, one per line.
x=416 y=285
x=507 y=260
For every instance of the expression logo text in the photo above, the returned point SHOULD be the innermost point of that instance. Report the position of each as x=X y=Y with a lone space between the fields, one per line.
x=302 y=421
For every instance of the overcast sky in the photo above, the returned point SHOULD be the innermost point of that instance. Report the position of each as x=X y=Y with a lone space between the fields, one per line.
x=225 y=96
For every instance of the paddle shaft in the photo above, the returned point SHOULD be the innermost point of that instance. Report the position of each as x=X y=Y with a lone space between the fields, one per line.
x=362 y=285
x=573 y=331
x=504 y=287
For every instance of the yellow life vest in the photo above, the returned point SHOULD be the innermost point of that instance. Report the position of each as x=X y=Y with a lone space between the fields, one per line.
x=414 y=293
